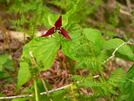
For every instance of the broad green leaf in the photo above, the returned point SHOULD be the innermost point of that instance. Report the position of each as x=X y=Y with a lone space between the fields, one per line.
x=79 y=42
x=76 y=31
x=4 y=75
x=49 y=19
x=3 y=58
x=72 y=10
x=2 y=95
x=23 y=75
x=127 y=87
x=94 y=36
x=41 y=86
x=42 y=89
x=52 y=18
x=122 y=52
x=44 y=50
x=109 y=33
x=46 y=18
x=68 y=47
x=58 y=95
x=9 y=64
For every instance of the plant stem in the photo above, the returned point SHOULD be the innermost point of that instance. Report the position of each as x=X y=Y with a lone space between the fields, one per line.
x=10 y=51
x=104 y=80
x=36 y=90
x=44 y=84
x=35 y=83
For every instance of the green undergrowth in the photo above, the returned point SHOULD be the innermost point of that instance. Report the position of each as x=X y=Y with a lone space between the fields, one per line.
x=89 y=49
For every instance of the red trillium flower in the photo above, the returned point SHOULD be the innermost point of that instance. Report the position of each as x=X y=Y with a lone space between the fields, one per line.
x=58 y=29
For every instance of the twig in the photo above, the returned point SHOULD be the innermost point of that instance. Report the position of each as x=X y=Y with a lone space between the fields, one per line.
x=43 y=93
x=113 y=54
x=35 y=64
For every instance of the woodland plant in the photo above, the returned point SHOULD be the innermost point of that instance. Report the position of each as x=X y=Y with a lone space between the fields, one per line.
x=86 y=46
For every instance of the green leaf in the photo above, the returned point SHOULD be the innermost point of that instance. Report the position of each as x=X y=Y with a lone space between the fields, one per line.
x=58 y=95
x=109 y=33
x=75 y=31
x=9 y=64
x=3 y=58
x=68 y=49
x=72 y=10
x=52 y=18
x=23 y=75
x=127 y=87
x=122 y=52
x=44 y=50
x=42 y=89
x=2 y=95
x=6 y=75
x=69 y=46
x=41 y=86
x=94 y=36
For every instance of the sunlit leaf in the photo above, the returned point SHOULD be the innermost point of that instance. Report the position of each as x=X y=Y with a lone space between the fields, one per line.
x=94 y=36
x=127 y=87
x=123 y=52
x=44 y=50
x=3 y=58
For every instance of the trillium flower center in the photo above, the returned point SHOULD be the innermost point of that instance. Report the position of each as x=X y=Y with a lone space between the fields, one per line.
x=57 y=29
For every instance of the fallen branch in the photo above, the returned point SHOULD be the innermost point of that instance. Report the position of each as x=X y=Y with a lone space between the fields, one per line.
x=43 y=93
x=113 y=54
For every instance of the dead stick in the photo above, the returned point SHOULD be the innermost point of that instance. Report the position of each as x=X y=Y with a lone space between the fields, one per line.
x=113 y=54
x=43 y=93
x=35 y=64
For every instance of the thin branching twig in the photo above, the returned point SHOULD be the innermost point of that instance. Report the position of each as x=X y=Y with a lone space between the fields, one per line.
x=35 y=64
x=113 y=54
x=43 y=93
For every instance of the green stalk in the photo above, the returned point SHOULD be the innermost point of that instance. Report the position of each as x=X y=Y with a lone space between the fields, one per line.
x=36 y=90
x=35 y=82
x=10 y=51
x=104 y=80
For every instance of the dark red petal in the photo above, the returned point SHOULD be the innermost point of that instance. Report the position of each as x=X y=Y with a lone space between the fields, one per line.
x=49 y=32
x=58 y=23
x=65 y=34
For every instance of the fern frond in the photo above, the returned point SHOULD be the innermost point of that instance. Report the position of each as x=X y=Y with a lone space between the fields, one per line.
x=77 y=78
x=116 y=78
x=19 y=21
x=88 y=63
